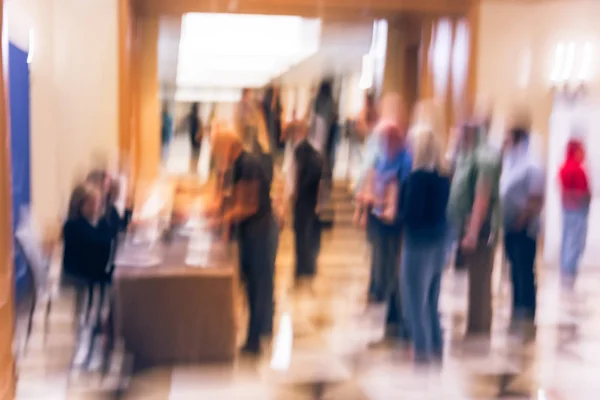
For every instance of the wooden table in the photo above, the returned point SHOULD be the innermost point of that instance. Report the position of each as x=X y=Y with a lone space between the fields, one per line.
x=174 y=314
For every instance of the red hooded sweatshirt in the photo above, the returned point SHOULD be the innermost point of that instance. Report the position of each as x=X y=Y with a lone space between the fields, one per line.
x=573 y=177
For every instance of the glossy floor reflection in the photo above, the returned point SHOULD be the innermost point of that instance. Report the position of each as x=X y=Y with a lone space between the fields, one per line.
x=327 y=344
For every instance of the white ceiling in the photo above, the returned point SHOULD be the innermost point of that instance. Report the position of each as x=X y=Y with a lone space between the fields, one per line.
x=207 y=57
x=343 y=45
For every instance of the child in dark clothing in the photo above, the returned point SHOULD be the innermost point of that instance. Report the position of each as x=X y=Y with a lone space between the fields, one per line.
x=86 y=243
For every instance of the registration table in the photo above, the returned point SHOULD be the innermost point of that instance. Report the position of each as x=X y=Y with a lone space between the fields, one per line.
x=174 y=313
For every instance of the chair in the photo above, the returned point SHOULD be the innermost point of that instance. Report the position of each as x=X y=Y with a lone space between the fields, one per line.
x=37 y=273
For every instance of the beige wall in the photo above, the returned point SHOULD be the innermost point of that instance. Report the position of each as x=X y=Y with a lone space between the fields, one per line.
x=73 y=92
x=516 y=50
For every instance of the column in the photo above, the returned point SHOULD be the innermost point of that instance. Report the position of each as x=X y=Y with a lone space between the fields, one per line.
x=393 y=74
x=450 y=114
x=7 y=367
x=125 y=100
x=147 y=134
x=473 y=17
x=426 y=86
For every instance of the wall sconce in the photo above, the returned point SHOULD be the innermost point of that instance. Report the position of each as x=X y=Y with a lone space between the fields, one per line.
x=571 y=70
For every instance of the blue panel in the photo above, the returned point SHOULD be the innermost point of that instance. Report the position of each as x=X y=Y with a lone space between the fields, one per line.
x=18 y=83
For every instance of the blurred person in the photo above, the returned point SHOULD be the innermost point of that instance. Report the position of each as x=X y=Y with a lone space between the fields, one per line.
x=86 y=244
x=304 y=177
x=393 y=112
x=193 y=124
x=289 y=134
x=522 y=196
x=481 y=115
x=322 y=136
x=272 y=111
x=115 y=222
x=368 y=116
x=576 y=197
x=166 y=130
x=324 y=118
x=364 y=124
x=484 y=112
x=100 y=179
x=424 y=199
x=381 y=198
x=389 y=113
x=473 y=210
x=250 y=210
x=251 y=127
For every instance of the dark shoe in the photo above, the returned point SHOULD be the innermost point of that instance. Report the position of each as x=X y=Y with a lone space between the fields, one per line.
x=251 y=350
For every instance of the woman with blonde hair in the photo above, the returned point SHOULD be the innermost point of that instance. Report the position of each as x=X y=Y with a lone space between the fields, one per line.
x=252 y=130
x=249 y=209
x=423 y=203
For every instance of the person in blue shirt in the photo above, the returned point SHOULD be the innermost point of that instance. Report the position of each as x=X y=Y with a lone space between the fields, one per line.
x=390 y=160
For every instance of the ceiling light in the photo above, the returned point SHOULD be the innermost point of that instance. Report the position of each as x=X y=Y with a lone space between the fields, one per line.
x=236 y=50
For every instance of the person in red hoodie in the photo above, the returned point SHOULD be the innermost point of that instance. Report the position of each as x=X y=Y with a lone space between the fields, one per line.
x=576 y=197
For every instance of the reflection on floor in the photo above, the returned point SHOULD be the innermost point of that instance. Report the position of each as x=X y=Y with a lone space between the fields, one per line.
x=333 y=354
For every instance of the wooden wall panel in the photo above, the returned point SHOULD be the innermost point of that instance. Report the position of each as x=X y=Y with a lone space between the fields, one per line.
x=125 y=42
x=7 y=370
x=450 y=111
x=307 y=8
x=134 y=109
x=473 y=18
x=147 y=137
x=393 y=74
x=426 y=86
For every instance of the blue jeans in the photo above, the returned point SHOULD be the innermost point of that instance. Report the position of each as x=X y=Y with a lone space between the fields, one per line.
x=421 y=276
x=575 y=227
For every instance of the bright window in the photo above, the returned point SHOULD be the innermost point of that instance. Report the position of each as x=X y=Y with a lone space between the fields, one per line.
x=236 y=50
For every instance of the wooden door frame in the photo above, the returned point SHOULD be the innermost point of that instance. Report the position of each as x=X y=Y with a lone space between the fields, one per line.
x=132 y=12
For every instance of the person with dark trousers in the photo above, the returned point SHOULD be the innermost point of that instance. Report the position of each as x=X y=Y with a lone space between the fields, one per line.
x=474 y=212
x=249 y=209
x=322 y=136
x=522 y=196
x=166 y=131
x=87 y=244
x=195 y=130
x=390 y=151
x=272 y=111
x=303 y=182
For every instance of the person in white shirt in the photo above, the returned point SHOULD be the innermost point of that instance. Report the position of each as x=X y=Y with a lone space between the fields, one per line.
x=522 y=197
